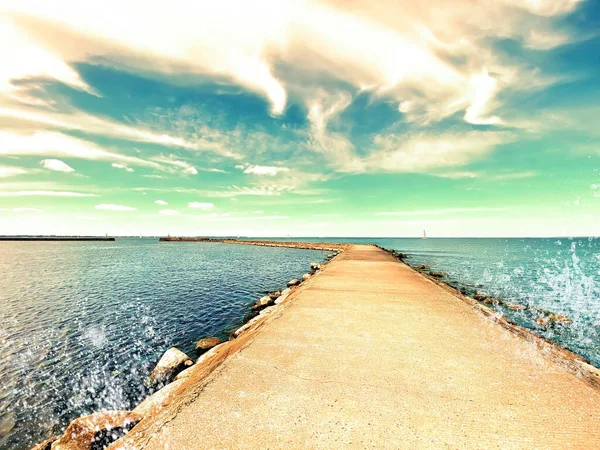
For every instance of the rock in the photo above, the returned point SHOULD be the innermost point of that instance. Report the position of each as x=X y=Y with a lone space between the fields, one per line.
x=293 y=282
x=559 y=318
x=515 y=307
x=247 y=326
x=438 y=274
x=263 y=302
x=315 y=266
x=480 y=297
x=47 y=444
x=283 y=296
x=275 y=294
x=423 y=267
x=96 y=431
x=206 y=344
x=542 y=321
x=171 y=363
x=156 y=399
x=305 y=277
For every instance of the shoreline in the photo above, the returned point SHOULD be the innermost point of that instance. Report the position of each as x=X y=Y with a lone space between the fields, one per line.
x=172 y=400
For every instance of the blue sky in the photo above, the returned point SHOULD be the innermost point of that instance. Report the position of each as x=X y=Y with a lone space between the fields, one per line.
x=304 y=118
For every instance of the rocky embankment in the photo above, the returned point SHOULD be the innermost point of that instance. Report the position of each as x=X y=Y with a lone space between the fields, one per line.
x=176 y=371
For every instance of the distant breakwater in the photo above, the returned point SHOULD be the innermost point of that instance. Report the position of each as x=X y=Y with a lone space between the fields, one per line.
x=175 y=368
x=56 y=238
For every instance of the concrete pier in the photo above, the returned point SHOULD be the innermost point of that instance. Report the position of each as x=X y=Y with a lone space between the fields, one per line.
x=371 y=354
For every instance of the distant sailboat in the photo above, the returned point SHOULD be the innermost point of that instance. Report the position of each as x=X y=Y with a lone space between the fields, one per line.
x=424 y=235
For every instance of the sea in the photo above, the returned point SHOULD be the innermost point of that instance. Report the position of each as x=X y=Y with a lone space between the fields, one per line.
x=83 y=323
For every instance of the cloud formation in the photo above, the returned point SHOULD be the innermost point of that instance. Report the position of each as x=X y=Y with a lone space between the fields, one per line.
x=56 y=165
x=426 y=57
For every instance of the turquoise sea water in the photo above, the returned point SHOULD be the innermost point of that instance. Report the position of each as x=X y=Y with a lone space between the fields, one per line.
x=83 y=323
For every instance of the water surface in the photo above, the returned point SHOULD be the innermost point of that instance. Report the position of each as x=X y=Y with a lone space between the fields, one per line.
x=83 y=323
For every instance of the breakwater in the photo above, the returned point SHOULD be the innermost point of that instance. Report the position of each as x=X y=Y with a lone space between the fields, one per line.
x=368 y=352
x=56 y=238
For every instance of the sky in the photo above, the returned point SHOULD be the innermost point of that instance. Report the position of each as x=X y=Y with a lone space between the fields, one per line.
x=300 y=118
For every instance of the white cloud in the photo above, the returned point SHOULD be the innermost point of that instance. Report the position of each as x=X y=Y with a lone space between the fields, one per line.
x=11 y=171
x=57 y=165
x=122 y=166
x=112 y=207
x=161 y=202
x=44 y=194
x=201 y=205
x=422 y=55
x=261 y=170
x=169 y=212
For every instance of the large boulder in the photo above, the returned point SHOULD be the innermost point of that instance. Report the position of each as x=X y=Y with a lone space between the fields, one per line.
x=171 y=363
x=315 y=266
x=96 y=431
x=203 y=345
x=263 y=302
x=293 y=282
x=283 y=296
x=515 y=307
x=438 y=274
x=558 y=318
x=480 y=297
x=305 y=277
x=156 y=400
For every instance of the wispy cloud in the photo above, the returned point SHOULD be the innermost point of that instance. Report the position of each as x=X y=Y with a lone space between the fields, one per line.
x=439 y=212
x=261 y=170
x=122 y=166
x=161 y=202
x=56 y=165
x=112 y=207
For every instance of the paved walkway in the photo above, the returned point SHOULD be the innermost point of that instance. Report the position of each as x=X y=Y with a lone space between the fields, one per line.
x=371 y=354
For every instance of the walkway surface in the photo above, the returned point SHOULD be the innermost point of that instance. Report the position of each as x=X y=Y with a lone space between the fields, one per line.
x=370 y=354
